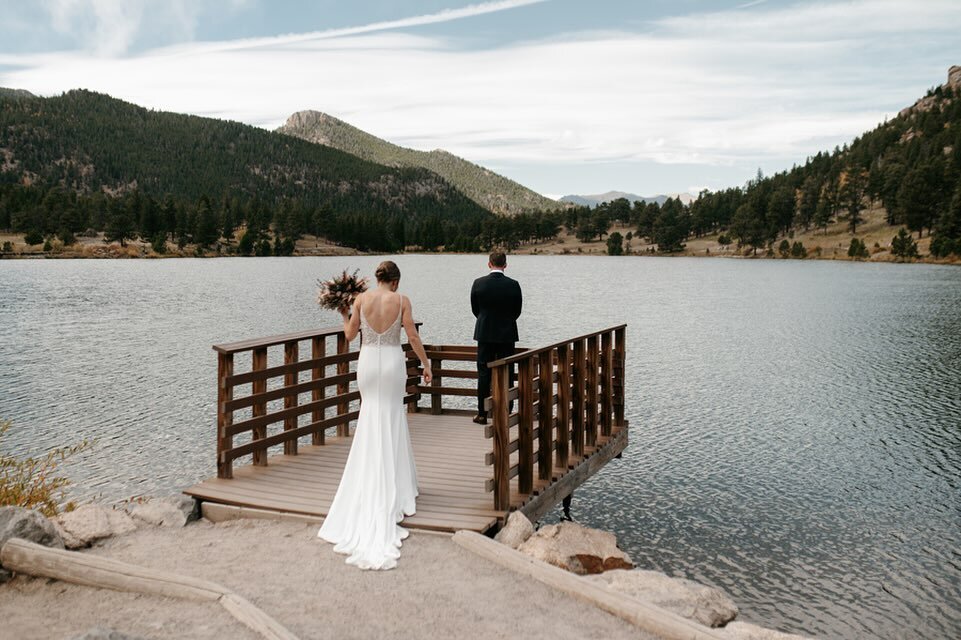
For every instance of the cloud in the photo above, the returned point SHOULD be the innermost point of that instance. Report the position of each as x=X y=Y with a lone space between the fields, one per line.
x=710 y=89
x=110 y=27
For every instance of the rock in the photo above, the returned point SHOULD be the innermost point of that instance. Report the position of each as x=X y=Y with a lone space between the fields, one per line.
x=91 y=522
x=707 y=605
x=748 y=631
x=18 y=522
x=101 y=633
x=578 y=549
x=517 y=530
x=954 y=76
x=172 y=511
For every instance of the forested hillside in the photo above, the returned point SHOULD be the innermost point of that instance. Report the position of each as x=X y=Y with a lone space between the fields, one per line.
x=910 y=165
x=490 y=190
x=85 y=160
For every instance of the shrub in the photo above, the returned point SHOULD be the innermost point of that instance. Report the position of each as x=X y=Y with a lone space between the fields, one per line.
x=47 y=246
x=66 y=237
x=159 y=243
x=33 y=483
x=7 y=247
x=857 y=249
x=903 y=245
x=615 y=244
x=784 y=248
x=724 y=239
x=33 y=237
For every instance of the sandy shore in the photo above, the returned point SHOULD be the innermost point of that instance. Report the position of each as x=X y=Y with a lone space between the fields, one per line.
x=438 y=590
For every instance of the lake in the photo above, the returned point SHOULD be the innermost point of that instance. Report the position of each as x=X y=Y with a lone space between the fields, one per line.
x=795 y=426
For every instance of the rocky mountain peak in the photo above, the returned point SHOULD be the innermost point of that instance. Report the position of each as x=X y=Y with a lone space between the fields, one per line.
x=954 y=77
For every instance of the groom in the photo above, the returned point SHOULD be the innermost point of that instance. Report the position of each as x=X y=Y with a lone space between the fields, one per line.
x=496 y=301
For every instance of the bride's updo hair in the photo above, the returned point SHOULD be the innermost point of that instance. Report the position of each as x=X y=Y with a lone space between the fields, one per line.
x=387 y=271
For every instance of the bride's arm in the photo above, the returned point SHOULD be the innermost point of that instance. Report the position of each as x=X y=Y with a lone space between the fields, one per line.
x=414 y=338
x=352 y=321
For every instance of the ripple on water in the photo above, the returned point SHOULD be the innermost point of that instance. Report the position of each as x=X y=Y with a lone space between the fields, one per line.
x=795 y=431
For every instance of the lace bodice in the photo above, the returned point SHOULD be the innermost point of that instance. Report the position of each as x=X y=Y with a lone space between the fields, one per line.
x=390 y=337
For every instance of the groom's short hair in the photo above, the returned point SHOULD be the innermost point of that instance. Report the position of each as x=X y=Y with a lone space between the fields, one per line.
x=498 y=259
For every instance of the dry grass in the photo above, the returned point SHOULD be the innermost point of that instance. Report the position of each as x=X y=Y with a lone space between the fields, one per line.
x=32 y=482
x=833 y=244
x=95 y=247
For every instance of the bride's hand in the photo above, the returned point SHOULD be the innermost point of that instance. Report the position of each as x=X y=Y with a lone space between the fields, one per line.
x=428 y=375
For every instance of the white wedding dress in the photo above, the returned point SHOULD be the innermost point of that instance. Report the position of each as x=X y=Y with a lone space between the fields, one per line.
x=379 y=485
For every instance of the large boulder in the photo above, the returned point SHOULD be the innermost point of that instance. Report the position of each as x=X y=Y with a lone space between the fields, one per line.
x=747 y=631
x=91 y=522
x=709 y=606
x=517 y=530
x=578 y=549
x=17 y=522
x=172 y=511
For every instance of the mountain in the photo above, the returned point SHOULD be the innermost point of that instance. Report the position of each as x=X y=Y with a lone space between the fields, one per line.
x=15 y=93
x=486 y=188
x=61 y=157
x=610 y=196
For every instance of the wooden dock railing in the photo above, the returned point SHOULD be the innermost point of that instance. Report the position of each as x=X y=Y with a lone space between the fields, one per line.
x=568 y=404
x=313 y=362
x=574 y=391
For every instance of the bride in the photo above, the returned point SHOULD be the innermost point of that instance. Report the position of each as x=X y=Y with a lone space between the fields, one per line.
x=379 y=485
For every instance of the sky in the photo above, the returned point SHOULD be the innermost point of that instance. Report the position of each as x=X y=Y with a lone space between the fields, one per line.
x=564 y=96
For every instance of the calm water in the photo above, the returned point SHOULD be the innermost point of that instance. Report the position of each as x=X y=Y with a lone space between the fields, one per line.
x=795 y=426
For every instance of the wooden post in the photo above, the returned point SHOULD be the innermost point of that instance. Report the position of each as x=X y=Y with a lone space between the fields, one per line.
x=607 y=399
x=291 y=356
x=260 y=408
x=525 y=426
x=225 y=392
x=318 y=350
x=343 y=408
x=500 y=386
x=436 y=401
x=577 y=398
x=620 y=354
x=545 y=415
x=563 y=405
x=591 y=400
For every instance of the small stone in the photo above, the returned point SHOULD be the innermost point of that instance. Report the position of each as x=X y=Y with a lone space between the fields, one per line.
x=748 y=631
x=102 y=633
x=172 y=511
x=709 y=606
x=517 y=530
x=577 y=549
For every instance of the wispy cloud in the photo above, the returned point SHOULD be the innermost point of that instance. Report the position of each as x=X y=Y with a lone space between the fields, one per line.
x=710 y=89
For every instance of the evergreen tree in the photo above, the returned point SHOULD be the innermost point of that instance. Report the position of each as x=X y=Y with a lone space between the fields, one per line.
x=120 y=222
x=852 y=198
x=206 y=231
x=904 y=246
x=615 y=244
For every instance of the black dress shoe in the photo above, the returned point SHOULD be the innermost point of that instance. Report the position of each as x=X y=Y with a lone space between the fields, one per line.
x=480 y=419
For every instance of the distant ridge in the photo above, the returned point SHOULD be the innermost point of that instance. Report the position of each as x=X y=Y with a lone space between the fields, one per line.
x=488 y=189
x=15 y=93
x=610 y=196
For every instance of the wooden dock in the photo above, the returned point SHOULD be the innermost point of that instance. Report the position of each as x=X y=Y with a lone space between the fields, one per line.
x=470 y=476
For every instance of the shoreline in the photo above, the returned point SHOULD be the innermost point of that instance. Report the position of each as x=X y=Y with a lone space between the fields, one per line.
x=252 y=557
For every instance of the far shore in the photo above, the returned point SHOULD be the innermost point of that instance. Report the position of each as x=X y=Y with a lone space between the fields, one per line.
x=819 y=244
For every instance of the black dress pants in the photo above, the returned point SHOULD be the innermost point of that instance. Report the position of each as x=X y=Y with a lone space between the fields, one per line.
x=488 y=352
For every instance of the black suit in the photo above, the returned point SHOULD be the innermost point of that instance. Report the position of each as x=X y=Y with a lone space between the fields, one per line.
x=496 y=302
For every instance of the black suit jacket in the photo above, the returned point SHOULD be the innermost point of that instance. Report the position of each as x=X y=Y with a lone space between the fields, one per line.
x=496 y=302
